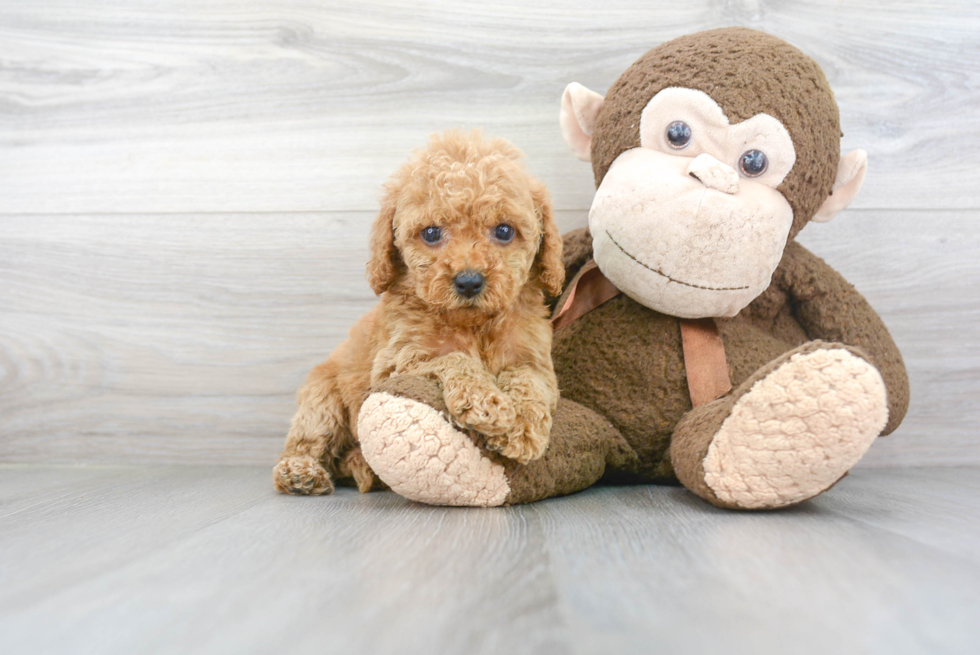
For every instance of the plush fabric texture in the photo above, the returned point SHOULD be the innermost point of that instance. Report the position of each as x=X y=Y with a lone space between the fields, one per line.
x=579 y=122
x=716 y=241
x=706 y=168
x=584 y=445
x=788 y=433
x=576 y=253
x=850 y=176
x=714 y=135
x=797 y=430
x=704 y=351
x=608 y=355
x=830 y=308
x=590 y=289
x=407 y=439
x=746 y=72
x=424 y=458
x=626 y=363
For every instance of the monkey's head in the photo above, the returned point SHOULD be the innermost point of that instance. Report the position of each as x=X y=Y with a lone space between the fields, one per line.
x=710 y=153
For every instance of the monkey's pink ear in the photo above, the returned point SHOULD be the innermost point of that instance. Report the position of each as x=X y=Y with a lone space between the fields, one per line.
x=579 y=109
x=850 y=177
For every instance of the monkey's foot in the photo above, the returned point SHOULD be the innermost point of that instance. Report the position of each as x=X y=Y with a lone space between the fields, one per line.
x=422 y=457
x=301 y=475
x=407 y=439
x=787 y=434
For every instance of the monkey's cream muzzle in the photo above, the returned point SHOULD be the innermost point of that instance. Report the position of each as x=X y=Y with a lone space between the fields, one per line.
x=687 y=245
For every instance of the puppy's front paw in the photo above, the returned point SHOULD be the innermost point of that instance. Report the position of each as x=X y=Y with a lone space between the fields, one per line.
x=528 y=439
x=301 y=475
x=487 y=411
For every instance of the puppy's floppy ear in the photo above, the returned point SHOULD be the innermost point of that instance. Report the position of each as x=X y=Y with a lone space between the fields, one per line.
x=385 y=261
x=551 y=269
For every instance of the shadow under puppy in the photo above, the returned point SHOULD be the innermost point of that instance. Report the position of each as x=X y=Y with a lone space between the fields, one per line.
x=462 y=253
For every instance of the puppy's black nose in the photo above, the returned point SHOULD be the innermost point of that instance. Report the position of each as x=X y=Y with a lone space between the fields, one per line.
x=468 y=283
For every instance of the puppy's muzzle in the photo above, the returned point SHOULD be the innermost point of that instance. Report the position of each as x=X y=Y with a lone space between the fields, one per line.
x=469 y=283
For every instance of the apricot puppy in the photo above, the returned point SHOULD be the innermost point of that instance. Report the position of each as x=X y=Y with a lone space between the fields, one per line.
x=462 y=253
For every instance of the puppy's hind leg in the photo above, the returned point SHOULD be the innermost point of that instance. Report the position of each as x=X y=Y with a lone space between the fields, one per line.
x=354 y=466
x=317 y=435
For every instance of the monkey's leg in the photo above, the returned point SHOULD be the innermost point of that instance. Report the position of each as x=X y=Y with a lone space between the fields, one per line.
x=830 y=309
x=415 y=450
x=787 y=433
x=316 y=436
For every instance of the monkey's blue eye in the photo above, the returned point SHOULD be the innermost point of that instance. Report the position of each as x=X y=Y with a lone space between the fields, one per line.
x=504 y=233
x=432 y=234
x=678 y=135
x=753 y=163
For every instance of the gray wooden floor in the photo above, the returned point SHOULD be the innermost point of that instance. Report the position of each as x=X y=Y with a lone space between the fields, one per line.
x=197 y=560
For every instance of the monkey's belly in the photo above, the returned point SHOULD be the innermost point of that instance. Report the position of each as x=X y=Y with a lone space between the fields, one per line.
x=626 y=362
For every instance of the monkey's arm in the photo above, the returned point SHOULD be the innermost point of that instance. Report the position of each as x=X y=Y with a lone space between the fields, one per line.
x=830 y=308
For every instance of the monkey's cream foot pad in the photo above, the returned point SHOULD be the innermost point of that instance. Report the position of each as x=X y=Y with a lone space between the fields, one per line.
x=797 y=431
x=422 y=457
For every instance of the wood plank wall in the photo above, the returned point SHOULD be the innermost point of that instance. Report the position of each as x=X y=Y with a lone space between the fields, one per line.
x=186 y=187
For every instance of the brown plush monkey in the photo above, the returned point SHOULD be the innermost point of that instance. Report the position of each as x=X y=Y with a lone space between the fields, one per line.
x=696 y=340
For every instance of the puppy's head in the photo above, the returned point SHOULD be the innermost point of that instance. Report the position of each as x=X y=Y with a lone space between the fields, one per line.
x=465 y=228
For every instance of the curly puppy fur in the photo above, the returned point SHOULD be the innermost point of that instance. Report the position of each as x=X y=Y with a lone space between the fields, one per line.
x=491 y=353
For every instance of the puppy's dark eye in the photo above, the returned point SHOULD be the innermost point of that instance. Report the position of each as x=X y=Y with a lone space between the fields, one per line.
x=432 y=234
x=678 y=135
x=504 y=233
x=753 y=163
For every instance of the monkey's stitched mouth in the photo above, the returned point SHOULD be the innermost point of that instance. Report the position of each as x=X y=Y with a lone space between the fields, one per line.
x=662 y=274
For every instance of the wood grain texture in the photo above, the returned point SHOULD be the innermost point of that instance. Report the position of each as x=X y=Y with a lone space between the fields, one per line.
x=185 y=190
x=203 y=560
x=183 y=338
x=920 y=271
x=168 y=338
x=308 y=105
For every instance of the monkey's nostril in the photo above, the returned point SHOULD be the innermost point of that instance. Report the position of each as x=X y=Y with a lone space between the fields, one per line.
x=468 y=283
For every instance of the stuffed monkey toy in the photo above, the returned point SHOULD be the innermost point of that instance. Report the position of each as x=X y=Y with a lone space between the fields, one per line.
x=695 y=341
